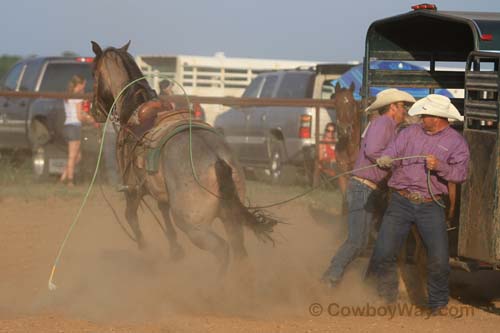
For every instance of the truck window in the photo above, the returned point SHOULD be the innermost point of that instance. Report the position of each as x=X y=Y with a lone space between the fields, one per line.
x=12 y=79
x=57 y=76
x=295 y=85
x=253 y=88
x=29 y=79
x=269 y=84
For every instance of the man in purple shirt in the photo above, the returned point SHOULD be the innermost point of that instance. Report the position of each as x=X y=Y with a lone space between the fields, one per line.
x=444 y=153
x=361 y=191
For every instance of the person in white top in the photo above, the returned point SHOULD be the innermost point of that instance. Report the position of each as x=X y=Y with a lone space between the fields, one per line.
x=73 y=127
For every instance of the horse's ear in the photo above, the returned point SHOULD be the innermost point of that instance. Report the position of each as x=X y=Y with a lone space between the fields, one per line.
x=124 y=48
x=96 y=48
x=352 y=86
x=337 y=87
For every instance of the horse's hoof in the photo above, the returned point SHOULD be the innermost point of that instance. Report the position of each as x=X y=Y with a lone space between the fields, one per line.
x=177 y=253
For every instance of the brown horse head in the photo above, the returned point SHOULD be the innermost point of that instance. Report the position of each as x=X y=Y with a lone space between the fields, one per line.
x=346 y=109
x=114 y=69
x=348 y=126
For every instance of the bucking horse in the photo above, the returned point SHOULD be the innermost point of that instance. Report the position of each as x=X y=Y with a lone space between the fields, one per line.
x=184 y=164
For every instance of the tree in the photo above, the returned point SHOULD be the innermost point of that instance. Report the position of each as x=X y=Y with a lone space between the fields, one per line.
x=69 y=54
x=6 y=62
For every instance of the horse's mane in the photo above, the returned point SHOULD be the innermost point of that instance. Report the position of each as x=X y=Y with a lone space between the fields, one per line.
x=137 y=93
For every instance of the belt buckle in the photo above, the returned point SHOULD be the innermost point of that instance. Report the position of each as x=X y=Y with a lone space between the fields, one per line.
x=416 y=197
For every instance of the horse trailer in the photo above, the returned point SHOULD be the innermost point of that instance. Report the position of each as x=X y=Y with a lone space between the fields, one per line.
x=471 y=41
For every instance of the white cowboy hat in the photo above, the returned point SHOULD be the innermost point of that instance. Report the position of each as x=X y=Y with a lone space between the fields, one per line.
x=435 y=105
x=388 y=96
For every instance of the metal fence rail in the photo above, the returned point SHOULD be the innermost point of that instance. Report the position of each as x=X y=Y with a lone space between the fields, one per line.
x=226 y=101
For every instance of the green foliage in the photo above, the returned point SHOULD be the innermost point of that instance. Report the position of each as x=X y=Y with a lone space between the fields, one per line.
x=69 y=54
x=6 y=62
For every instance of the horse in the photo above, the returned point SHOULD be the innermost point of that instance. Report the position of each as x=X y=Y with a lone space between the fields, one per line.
x=348 y=130
x=198 y=178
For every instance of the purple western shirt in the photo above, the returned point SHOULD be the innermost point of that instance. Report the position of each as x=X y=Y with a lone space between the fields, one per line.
x=380 y=132
x=447 y=145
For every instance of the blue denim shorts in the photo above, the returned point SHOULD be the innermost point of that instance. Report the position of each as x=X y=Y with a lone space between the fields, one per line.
x=72 y=132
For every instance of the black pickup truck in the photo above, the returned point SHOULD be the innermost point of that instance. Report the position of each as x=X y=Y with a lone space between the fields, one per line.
x=36 y=123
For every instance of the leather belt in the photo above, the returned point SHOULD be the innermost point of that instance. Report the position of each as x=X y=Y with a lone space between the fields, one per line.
x=366 y=182
x=416 y=197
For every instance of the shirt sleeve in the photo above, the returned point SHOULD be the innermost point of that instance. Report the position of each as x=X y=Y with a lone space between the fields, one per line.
x=379 y=135
x=455 y=168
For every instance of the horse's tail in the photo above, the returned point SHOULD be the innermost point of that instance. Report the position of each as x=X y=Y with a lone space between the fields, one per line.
x=258 y=221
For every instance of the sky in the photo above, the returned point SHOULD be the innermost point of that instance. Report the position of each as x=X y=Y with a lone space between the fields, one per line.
x=313 y=30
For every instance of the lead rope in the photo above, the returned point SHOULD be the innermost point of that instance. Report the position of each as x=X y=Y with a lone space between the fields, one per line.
x=347 y=173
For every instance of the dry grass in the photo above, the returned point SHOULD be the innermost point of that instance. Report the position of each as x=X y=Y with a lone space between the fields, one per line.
x=16 y=180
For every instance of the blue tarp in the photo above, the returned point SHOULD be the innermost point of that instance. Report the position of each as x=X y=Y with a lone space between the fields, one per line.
x=355 y=74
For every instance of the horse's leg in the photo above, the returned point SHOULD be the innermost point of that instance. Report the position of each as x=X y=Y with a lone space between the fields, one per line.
x=202 y=235
x=343 y=184
x=234 y=231
x=176 y=251
x=133 y=200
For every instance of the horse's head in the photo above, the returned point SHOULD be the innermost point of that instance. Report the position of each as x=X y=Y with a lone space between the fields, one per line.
x=348 y=126
x=346 y=109
x=113 y=69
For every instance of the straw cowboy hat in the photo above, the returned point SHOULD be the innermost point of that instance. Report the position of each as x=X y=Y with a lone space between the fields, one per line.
x=435 y=105
x=388 y=96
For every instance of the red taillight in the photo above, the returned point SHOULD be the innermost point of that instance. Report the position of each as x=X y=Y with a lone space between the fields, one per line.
x=487 y=37
x=84 y=59
x=305 y=126
x=86 y=106
x=424 y=6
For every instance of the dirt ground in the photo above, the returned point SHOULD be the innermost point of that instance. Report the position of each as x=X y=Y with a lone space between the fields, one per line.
x=105 y=284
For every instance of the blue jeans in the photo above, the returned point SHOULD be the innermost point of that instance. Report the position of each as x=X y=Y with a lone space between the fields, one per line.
x=430 y=221
x=360 y=223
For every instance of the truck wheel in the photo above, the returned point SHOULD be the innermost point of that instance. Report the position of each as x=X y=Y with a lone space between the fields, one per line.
x=39 y=134
x=48 y=159
x=40 y=163
x=276 y=162
x=412 y=264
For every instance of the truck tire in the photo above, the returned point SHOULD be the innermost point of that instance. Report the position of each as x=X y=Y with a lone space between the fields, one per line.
x=276 y=162
x=41 y=157
x=39 y=137
x=412 y=265
x=40 y=163
x=39 y=134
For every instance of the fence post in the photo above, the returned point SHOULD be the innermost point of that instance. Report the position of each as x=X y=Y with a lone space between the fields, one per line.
x=316 y=146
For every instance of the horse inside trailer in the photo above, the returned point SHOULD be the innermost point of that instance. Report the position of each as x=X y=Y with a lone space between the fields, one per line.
x=460 y=51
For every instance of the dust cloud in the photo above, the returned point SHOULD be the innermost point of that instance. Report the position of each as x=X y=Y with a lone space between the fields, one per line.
x=103 y=276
